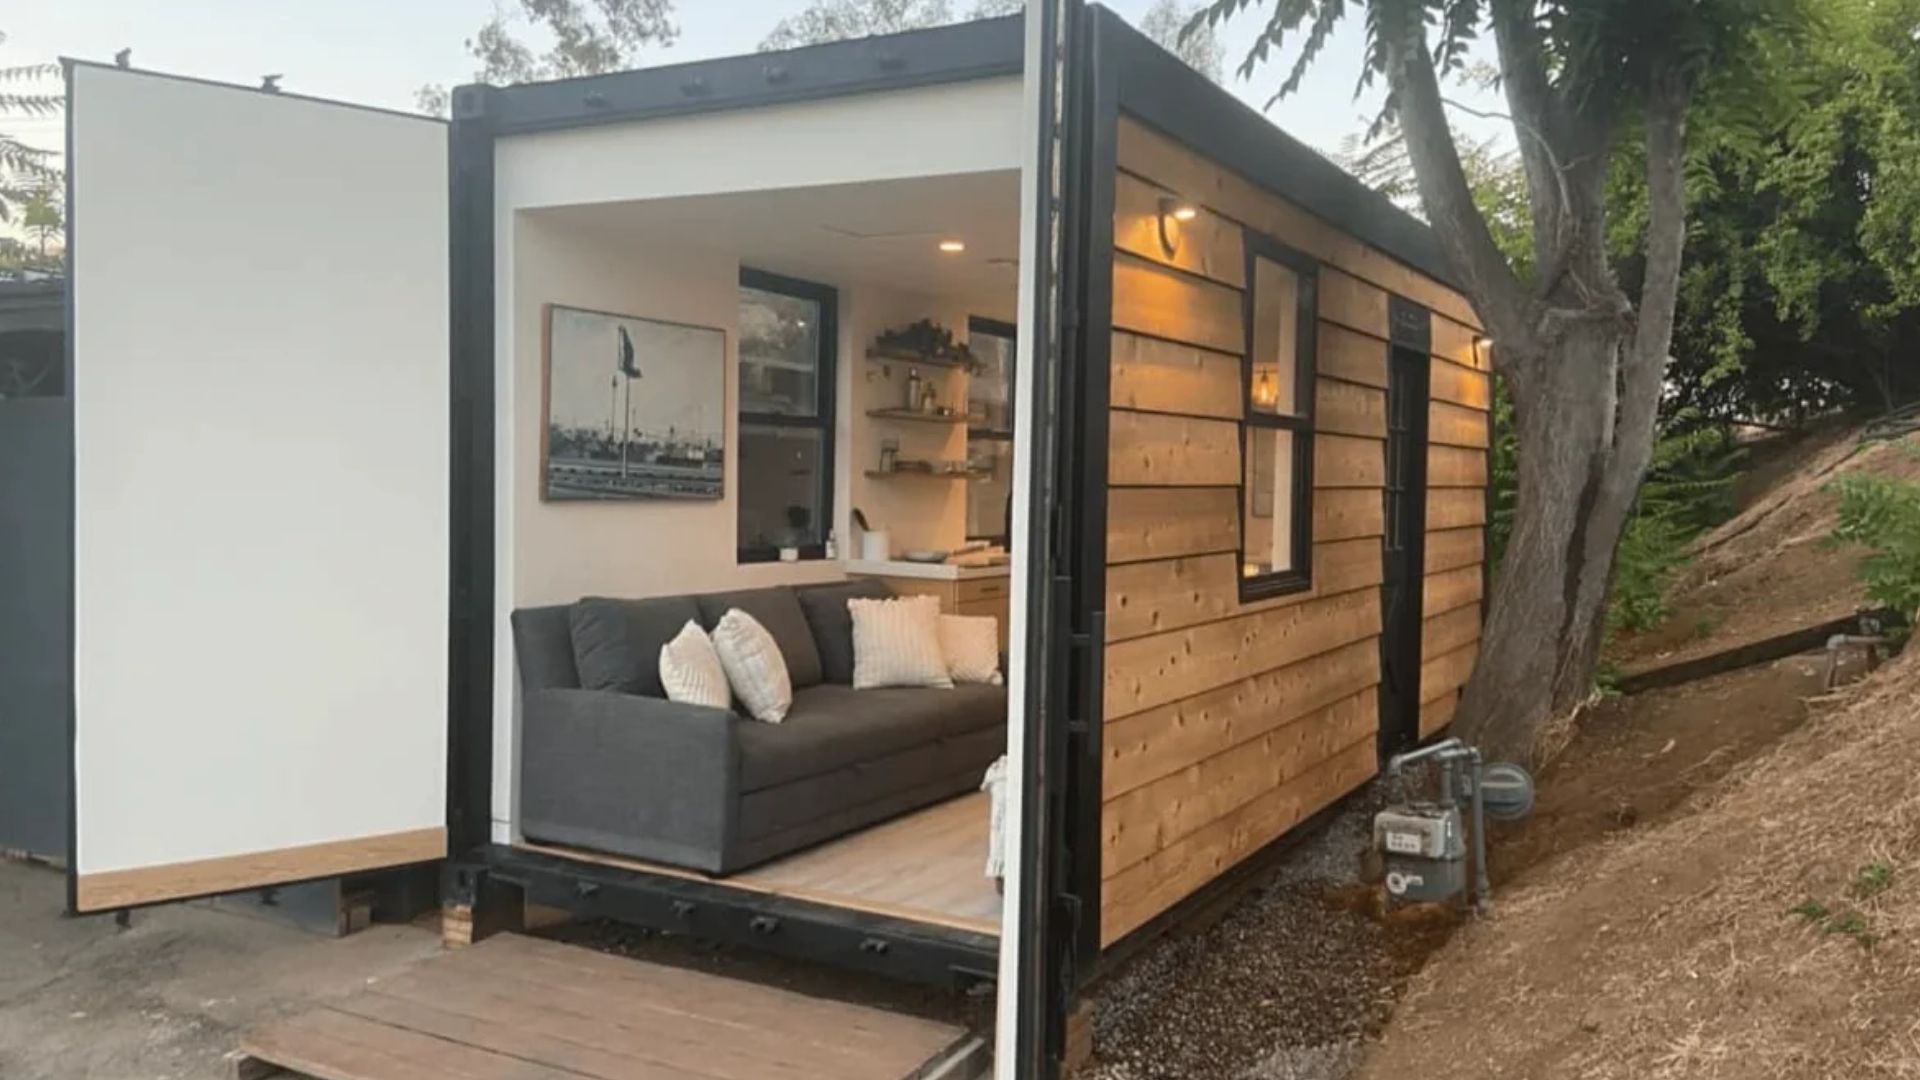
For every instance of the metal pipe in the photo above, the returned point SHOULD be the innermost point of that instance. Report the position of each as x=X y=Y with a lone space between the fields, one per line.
x=1482 y=882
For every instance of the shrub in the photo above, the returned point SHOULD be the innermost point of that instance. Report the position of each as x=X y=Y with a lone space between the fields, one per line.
x=1883 y=514
x=1688 y=490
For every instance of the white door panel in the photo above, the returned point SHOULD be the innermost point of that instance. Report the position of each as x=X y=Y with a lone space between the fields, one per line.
x=260 y=352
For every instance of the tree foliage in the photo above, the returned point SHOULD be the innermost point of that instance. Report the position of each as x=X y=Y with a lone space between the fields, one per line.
x=1173 y=25
x=1582 y=336
x=841 y=20
x=578 y=39
x=25 y=169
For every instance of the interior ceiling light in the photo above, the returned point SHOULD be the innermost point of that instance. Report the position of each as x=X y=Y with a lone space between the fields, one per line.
x=953 y=247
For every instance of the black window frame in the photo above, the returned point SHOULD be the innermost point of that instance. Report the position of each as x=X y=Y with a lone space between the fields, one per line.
x=997 y=328
x=824 y=419
x=1306 y=269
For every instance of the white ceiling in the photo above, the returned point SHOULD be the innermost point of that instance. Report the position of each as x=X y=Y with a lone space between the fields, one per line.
x=883 y=233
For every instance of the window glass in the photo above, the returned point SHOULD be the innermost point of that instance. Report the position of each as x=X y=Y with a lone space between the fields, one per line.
x=1276 y=483
x=990 y=429
x=781 y=487
x=1274 y=378
x=1269 y=495
x=786 y=406
x=991 y=485
x=779 y=353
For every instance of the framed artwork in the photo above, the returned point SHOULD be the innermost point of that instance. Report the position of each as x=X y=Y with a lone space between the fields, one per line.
x=633 y=408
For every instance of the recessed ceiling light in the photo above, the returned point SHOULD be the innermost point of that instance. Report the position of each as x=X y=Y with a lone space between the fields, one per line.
x=953 y=247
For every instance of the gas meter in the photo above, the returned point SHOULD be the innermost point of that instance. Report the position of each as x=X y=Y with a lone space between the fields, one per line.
x=1423 y=844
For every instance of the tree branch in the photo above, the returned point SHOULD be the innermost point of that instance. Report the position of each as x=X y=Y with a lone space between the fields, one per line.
x=1448 y=198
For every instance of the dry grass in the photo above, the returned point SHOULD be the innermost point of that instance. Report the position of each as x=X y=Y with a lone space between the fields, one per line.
x=1676 y=950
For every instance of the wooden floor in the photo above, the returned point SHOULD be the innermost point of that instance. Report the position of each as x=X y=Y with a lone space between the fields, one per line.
x=521 y=1008
x=929 y=866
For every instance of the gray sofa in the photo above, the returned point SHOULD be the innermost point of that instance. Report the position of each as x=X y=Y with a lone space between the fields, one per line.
x=607 y=763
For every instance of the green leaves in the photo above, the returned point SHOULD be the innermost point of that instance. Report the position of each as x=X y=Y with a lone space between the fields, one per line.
x=1883 y=513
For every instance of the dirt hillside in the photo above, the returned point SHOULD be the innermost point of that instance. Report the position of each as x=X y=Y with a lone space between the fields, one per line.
x=1743 y=898
x=1767 y=570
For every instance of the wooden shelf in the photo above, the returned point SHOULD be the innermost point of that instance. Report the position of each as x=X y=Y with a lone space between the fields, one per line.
x=919 y=417
x=881 y=474
x=890 y=356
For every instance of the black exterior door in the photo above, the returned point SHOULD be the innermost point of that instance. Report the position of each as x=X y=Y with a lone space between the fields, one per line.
x=1404 y=545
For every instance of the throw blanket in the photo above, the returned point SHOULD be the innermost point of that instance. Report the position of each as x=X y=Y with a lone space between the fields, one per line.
x=995 y=785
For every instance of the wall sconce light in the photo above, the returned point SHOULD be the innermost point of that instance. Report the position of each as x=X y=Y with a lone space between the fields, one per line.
x=953 y=247
x=1266 y=391
x=1174 y=212
x=1483 y=352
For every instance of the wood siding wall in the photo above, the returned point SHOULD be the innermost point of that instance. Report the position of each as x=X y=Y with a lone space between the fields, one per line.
x=1228 y=723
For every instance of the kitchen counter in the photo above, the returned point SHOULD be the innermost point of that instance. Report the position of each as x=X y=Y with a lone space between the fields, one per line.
x=900 y=568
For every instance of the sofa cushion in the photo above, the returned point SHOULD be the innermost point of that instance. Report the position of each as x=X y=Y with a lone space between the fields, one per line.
x=832 y=624
x=755 y=669
x=616 y=643
x=777 y=609
x=543 y=643
x=831 y=726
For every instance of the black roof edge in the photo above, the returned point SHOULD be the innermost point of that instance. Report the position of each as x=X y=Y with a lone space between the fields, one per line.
x=947 y=54
x=1160 y=90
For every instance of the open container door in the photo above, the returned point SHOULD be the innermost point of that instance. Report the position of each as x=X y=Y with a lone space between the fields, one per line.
x=260 y=373
x=1049 y=926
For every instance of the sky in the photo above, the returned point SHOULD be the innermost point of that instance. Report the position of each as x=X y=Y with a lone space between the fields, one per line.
x=379 y=52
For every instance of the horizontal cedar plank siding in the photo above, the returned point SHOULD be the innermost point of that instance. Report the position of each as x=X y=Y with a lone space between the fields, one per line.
x=1169 y=594
x=1151 y=299
x=1451 y=549
x=1352 y=356
x=1461 y=386
x=1437 y=713
x=1450 y=589
x=1150 y=671
x=1449 y=630
x=1455 y=508
x=1165 y=523
x=1166 y=376
x=1447 y=672
x=1209 y=246
x=1165 y=162
x=1456 y=425
x=1143 y=890
x=1227 y=722
x=1160 y=450
x=1159 y=814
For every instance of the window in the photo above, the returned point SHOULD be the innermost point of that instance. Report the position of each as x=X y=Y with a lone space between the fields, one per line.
x=1276 y=494
x=787 y=342
x=990 y=430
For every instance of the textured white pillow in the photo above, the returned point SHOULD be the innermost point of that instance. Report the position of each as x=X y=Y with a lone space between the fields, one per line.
x=897 y=643
x=690 y=669
x=754 y=666
x=972 y=646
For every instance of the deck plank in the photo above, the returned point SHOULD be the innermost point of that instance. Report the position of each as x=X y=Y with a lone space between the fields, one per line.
x=519 y=1008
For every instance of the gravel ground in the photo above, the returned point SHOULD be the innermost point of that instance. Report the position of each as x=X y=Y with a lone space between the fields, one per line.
x=1287 y=985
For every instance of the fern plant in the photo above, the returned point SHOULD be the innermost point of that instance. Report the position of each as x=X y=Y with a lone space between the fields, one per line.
x=1688 y=490
x=1883 y=513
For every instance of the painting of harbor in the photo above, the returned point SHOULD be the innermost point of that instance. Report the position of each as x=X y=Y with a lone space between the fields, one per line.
x=635 y=408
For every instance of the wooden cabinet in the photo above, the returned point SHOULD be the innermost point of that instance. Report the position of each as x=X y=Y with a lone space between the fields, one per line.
x=964 y=596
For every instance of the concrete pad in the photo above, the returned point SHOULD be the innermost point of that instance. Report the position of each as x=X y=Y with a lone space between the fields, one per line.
x=166 y=998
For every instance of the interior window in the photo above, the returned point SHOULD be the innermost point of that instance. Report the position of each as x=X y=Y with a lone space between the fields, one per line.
x=990 y=429
x=1276 y=519
x=785 y=476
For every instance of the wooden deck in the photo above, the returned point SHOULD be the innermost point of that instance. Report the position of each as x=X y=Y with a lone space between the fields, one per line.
x=928 y=866
x=521 y=1008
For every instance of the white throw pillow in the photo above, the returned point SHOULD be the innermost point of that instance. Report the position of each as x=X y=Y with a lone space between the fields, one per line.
x=754 y=666
x=897 y=643
x=690 y=669
x=972 y=646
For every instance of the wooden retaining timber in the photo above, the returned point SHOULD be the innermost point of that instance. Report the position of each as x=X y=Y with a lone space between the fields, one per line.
x=1777 y=647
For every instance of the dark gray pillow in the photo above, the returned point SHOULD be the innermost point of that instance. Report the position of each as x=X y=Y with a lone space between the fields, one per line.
x=778 y=610
x=832 y=623
x=616 y=643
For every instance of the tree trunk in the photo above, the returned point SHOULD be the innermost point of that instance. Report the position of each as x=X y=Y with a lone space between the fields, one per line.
x=1576 y=484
